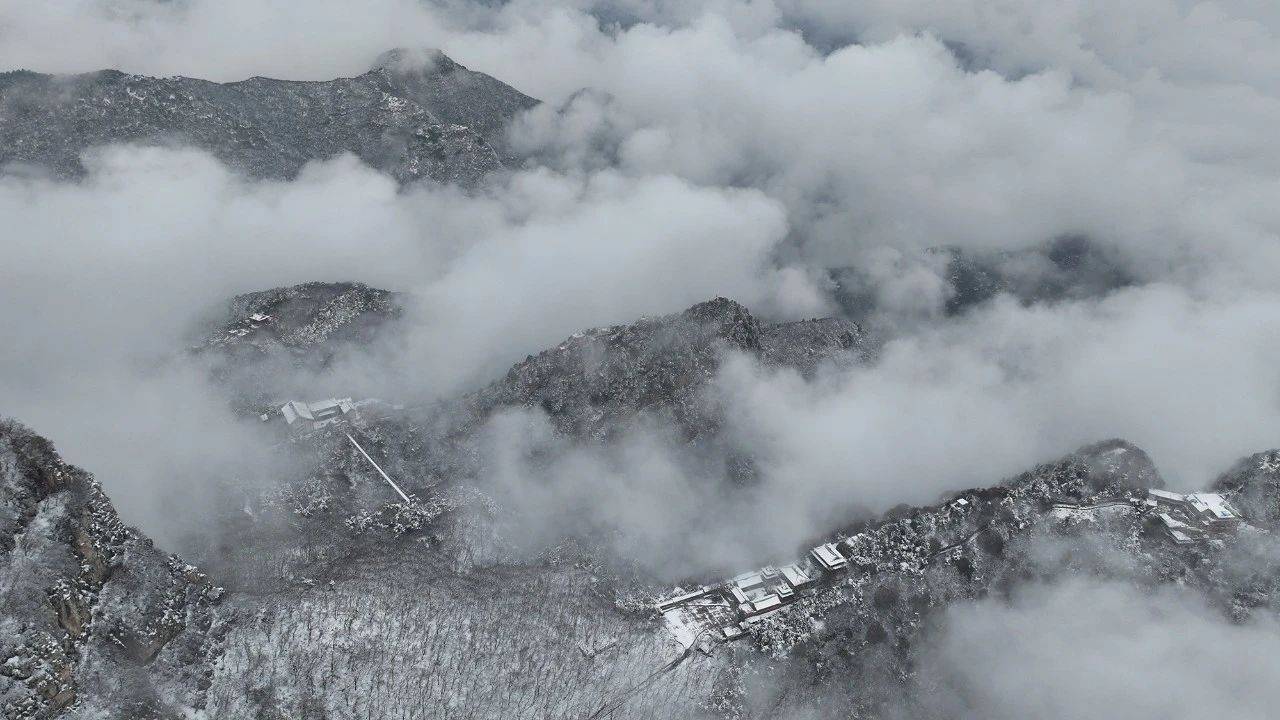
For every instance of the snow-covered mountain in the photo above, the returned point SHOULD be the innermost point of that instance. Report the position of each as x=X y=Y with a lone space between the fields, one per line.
x=413 y=115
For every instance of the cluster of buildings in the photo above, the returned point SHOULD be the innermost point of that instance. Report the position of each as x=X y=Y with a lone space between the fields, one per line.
x=731 y=607
x=1192 y=517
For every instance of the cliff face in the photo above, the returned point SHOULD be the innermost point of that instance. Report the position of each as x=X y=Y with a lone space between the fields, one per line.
x=94 y=617
x=430 y=118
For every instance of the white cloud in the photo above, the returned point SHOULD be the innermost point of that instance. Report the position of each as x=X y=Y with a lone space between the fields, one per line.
x=965 y=403
x=1086 y=649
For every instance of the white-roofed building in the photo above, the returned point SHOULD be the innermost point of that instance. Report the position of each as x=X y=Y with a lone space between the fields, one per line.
x=1166 y=496
x=766 y=603
x=1181 y=532
x=1214 y=509
x=1193 y=516
x=795 y=576
x=315 y=415
x=829 y=558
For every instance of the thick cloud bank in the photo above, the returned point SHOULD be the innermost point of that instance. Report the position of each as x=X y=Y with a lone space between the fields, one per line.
x=1088 y=650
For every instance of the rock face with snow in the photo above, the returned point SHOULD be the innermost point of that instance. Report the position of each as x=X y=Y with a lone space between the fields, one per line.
x=94 y=617
x=313 y=321
x=414 y=116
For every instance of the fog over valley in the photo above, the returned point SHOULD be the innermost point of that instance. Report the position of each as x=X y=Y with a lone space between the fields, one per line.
x=639 y=359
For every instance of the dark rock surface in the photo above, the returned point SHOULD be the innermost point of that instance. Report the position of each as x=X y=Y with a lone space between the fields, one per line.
x=1070 y=267
x=436 y=120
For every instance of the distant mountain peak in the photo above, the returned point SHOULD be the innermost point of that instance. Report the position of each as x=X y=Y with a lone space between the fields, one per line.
x=415 y=60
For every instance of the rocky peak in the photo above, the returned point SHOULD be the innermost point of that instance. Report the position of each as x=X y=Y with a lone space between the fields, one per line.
x=404 y=60
x=599 y=378
x=302 y=316
x=263 y=336
x=1118 y=465
x=453 y=94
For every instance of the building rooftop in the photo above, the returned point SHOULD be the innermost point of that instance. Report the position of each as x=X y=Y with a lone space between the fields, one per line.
x=1213 y=506
x=829 y=557
x=1167 y=496
x=794 y=576
x=316 y=411
x=766 y=603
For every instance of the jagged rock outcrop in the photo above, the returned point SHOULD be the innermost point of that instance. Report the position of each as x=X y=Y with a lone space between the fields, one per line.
x=94 y=616
x=412 y=116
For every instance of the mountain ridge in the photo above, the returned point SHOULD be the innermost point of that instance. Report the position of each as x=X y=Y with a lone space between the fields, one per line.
x=438 y=121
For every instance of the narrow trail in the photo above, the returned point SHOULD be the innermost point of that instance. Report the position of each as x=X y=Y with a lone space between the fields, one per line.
x=377 y=467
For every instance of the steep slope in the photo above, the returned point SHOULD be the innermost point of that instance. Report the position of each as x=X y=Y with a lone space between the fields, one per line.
x=95 y=617
x=432 y=118
x=400 y=629
x=850 y=648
